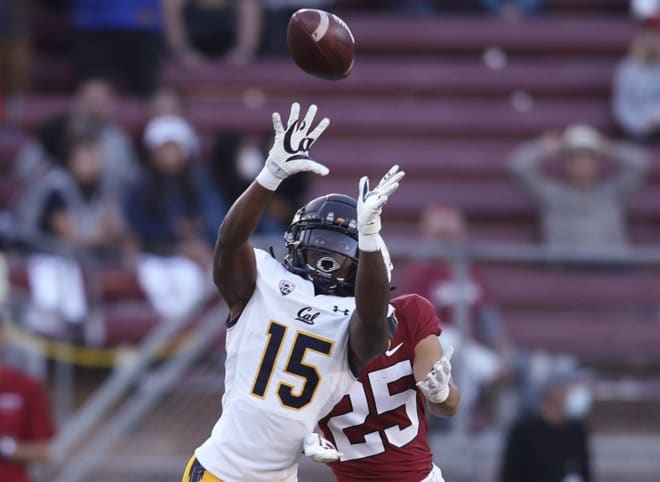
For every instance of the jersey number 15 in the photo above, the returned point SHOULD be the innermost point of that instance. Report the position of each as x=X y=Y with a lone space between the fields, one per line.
x=295 y=366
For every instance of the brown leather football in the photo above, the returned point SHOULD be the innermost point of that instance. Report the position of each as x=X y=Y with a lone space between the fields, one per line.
x=321 y=44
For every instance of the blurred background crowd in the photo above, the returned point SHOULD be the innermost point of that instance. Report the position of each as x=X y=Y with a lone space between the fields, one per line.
x=530 y=216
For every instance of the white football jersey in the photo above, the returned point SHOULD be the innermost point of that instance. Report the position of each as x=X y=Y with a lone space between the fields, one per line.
x=287 y=366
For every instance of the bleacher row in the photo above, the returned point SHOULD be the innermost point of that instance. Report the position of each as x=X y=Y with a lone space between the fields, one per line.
x=421 y=96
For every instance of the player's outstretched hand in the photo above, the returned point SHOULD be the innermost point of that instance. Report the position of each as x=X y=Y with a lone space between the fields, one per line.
x=436 y=384
x=370 y=205
x=320 y=449
x=290 y=152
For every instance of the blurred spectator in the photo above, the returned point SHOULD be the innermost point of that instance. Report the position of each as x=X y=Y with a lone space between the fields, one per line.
x=174 y=212
x=584 y=209
x=276 y=19
x=643 y=9
x=93 y=106
x=69 y=205
x=197 y=29
x=14 y=51
x=166 y=101
x=26 y=424
x=73 y=206
x=636 y=100
x=512 y=8
x=488 y=352
x=176 y=200
x=118 y=37
x=237 y=159
x=552 y=445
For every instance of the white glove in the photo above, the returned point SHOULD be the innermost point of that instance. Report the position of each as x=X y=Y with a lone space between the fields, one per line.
x=320 y=449
x=370 y=205
x=436 y=384
x=290 y=152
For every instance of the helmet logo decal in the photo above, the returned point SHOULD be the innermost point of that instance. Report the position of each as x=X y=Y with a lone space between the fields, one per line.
x=286 y=287
x=327 y=264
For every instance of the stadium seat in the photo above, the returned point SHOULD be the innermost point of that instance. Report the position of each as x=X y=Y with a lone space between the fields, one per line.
x=551 y=36
x=593 y=337
x=353 y=117
x=548 y=289
x=373 y=79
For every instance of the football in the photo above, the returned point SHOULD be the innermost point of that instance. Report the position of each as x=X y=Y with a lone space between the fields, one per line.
x=321 y=44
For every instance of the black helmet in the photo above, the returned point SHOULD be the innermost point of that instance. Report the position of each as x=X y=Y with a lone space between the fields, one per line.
x=327 y=224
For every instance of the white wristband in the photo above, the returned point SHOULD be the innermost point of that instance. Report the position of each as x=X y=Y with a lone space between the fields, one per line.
x=268 y=180
x=368 y=242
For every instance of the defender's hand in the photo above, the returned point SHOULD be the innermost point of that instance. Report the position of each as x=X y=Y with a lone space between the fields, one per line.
x=370 y=205
x=436 y=384
x=290 y=152
x=320 y=449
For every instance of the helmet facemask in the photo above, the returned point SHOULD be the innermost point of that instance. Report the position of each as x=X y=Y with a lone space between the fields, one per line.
x=325 y=255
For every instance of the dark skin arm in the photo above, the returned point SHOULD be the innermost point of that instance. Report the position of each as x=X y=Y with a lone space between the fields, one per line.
x=427 y=352
x=368 y=329
x=234 y=264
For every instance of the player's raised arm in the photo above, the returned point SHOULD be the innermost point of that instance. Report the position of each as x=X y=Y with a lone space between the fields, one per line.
x=369 y=330
x=234 y=267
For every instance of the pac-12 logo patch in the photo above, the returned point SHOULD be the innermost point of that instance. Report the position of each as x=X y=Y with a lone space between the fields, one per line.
x=286 y=287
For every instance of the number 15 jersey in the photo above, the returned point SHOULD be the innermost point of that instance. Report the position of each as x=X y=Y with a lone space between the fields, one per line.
x=287 y=366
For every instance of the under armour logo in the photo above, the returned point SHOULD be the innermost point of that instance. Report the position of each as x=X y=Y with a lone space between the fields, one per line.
x=337 y=309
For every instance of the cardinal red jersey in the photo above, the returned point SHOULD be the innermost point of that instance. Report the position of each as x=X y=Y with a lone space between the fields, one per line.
x=380 y=425
x=24 y=416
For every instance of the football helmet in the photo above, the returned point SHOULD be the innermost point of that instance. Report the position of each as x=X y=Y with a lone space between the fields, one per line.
x=322 y=244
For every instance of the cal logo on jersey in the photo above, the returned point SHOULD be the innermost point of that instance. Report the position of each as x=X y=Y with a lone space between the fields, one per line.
x=307 y=315
x=286 y=287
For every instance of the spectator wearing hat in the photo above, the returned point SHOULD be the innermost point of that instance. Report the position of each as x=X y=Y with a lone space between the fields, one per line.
x=174 y=213
x=175 y=202
x=636 y=97
x=583 y=207
x=553 y=444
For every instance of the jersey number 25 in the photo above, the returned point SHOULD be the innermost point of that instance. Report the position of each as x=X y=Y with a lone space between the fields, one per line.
x=384 y=402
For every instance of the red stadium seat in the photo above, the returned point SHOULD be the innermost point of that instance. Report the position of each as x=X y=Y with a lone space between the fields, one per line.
x=547 y=36
x=525 y=288
x=363 y=117
x=593 y=337
x=374 y=78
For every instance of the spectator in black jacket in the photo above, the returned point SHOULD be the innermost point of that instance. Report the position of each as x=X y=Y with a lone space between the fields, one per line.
x=552 y=446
